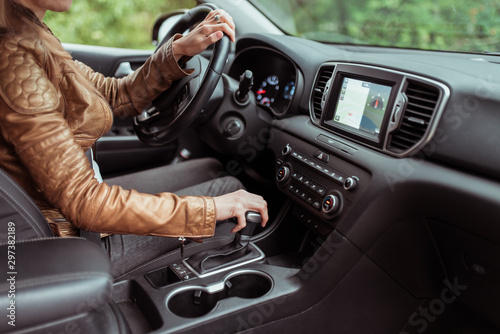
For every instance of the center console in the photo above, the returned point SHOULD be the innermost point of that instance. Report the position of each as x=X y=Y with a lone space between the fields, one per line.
x=210 y=283
x=179 y=295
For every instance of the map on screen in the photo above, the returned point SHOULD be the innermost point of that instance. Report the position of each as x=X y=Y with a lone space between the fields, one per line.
x=362 y=105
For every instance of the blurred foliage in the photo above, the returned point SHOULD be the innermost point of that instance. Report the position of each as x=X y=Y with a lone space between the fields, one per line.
x=118 y=23
x=465 y=25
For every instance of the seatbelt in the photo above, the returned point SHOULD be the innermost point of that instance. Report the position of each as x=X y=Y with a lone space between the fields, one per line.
x=91 y=236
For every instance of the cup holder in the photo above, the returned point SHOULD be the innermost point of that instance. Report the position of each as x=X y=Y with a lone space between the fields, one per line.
x=197 y=302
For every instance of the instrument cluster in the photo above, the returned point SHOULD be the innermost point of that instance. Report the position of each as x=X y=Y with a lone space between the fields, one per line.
x=275 y=78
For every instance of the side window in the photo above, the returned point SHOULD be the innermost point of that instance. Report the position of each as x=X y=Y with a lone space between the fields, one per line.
x=116 y=23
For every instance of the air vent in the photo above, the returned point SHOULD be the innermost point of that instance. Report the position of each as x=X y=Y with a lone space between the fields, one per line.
x=325 y=73
x=421 y=106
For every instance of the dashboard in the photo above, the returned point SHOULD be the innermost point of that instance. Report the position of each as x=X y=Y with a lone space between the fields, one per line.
x=429 y=95
x=388 y=110
x=370 y=139
x=351 y=108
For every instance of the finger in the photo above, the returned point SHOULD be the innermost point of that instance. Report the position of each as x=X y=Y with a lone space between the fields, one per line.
x=211 y=34
x=265 y=217
x=257 y=203
x=209 y=29
x=226 y=18
x=224 y=27
x=212 y=38
x=241 y=223
x=223 y=19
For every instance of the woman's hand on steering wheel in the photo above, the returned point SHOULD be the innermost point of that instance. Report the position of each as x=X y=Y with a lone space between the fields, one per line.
x=209 y=31
x=236 y=204
x=170 y=117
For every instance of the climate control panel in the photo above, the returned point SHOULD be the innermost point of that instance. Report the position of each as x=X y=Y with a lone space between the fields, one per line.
x=310 y=191
x=320 y=182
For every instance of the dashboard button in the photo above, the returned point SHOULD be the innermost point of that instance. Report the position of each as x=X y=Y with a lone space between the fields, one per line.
x=321 y=156
x=336 y=144
x=338 y=177
x=321 y=191
x=316 y=205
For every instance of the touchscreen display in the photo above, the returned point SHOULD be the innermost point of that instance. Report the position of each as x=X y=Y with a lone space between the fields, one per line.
x=362 y=105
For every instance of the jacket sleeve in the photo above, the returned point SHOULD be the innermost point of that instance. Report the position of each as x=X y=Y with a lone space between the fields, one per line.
x=129 y=96
x=31 y=121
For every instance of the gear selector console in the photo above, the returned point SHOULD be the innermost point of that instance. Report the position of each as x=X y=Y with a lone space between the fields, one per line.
x=238 y=252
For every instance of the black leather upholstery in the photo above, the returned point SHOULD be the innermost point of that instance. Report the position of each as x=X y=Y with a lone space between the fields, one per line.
x=56 y=279
x=17 y=207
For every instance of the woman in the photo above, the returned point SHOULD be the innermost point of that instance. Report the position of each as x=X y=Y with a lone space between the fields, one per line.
x=53 y=109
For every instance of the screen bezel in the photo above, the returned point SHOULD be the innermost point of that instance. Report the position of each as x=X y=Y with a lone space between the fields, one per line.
x=372 y=75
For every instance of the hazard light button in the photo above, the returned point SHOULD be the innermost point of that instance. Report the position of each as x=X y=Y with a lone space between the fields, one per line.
x=322 y=156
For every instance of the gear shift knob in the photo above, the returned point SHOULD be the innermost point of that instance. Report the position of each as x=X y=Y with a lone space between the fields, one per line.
x=252 y=219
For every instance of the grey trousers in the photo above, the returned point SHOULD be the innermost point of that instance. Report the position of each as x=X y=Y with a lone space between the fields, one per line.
x=200 y=177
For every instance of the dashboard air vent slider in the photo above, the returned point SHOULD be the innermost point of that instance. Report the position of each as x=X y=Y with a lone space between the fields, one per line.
x=422 y=104
x=324 y=74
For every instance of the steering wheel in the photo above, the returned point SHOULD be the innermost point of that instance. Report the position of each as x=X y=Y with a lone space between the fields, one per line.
x=176 y=108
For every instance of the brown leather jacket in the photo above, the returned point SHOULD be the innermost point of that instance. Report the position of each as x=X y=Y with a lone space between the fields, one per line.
x=47 y=122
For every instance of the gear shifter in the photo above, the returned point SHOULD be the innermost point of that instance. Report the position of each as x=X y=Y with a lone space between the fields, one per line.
x=252 y=219
x=236 y=251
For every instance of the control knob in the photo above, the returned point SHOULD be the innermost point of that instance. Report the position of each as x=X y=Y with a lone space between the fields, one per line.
x=286 y=150
x=331 y=204
x=283 y=174
x=350 y=183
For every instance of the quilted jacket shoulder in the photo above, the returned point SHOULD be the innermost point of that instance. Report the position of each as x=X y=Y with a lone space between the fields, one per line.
x=25 y=86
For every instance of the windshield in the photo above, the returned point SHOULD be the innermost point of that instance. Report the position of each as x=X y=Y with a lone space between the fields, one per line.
x=465 y=25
